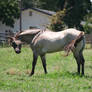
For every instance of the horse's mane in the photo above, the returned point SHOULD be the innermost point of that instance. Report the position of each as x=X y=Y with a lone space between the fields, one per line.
x=27 y=32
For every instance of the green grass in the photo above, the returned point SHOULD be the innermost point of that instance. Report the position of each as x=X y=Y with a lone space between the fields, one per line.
x=61 y=77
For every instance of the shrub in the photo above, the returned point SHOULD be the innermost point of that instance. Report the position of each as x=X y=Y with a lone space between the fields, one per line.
x=57 y=22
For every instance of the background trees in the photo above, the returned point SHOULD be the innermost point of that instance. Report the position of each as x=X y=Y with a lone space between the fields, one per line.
x=70 y=13
x=74 y=14
x=53 y=5
x=9 y=11
x=88 y=23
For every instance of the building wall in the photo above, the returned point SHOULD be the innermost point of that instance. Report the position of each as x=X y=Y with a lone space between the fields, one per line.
x=37 y=19
x=3 y=28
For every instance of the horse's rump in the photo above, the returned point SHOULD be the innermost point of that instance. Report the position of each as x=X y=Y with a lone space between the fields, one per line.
x=73 y=44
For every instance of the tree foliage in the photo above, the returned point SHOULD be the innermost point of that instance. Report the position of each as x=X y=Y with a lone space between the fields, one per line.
x=70 y=13
x=53 y=5
x=75 y=12
x=57 y=22
x=9 y=11
x=88 y=18
x=88 y=23
x=31 y=3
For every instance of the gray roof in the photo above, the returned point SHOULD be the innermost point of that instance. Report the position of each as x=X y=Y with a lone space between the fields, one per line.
x=44 y=11
x=47 y=12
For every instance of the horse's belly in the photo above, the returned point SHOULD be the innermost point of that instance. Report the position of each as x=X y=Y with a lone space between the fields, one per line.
x=54 y=50
x=52 y=47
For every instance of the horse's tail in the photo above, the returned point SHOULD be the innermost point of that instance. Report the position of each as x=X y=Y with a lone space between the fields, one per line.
x=73 y=44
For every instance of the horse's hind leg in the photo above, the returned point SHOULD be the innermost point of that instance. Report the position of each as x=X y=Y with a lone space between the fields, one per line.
x=77 y=57
x=35 y=57
x=44 y=63
x=82 y=62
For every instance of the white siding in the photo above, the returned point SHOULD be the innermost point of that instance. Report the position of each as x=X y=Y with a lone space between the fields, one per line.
x=37 y=19
x=3 y=27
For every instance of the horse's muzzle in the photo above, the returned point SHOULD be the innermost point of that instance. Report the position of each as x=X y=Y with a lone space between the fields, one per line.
x=18 y=52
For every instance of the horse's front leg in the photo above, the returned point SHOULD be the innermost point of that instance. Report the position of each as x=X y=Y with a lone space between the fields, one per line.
x=35 y=57
x=44 y=63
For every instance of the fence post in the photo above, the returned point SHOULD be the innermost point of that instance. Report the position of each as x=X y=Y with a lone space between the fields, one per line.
x=91 y=43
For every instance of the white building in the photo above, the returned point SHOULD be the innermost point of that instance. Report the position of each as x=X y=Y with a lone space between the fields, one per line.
x=30 y=18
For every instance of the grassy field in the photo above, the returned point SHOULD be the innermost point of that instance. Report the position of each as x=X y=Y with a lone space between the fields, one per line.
x=61 y=77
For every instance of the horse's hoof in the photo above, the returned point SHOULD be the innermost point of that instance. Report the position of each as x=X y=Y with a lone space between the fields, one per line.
x=31 y=74
x=82 y=75
x=45 y=72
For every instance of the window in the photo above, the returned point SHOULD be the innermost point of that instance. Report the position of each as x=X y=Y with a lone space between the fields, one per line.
x=32 y=27
x=30 y=13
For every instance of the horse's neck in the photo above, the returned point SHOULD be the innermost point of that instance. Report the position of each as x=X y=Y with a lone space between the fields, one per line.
x=27 y=38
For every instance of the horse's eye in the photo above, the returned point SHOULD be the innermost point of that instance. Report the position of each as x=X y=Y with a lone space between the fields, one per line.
x=19 y=45
x=13 y=44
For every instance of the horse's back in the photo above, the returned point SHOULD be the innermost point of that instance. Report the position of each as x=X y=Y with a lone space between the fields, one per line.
x=54 y=37
x=49 y=41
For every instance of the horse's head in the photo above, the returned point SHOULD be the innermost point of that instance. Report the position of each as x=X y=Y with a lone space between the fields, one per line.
x=16 y=44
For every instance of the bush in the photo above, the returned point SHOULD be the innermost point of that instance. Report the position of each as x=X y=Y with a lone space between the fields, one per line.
x=57 y=23
x=87 y=28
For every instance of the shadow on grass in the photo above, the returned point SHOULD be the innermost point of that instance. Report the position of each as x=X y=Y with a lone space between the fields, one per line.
x=58 y=75
x=74 y=75
x=53 y=75
x=65 y=74
x=89 y=66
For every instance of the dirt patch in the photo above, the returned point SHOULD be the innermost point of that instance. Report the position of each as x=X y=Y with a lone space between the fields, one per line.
x=14 y=71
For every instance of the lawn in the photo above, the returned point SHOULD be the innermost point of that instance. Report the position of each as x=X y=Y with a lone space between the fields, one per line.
x=61 y=77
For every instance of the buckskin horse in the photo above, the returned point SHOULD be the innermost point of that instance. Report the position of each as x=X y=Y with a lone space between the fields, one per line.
x=47 y=41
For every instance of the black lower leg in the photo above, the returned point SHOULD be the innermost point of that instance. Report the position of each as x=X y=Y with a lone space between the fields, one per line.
x=78 y=68
x=33 y=63
x=83 y=69
x=44 y=63
x=82 y=63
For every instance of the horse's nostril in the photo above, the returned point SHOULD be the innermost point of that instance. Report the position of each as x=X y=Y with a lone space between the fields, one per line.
x=18 y=52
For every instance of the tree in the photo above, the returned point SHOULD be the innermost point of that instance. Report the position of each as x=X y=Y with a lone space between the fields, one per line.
x=75 y=12
x=31 y=3
x=54 y=5
x=57 y=22
x=78 y=9
x=88 y=18
x=9 y=11
x=88 y=23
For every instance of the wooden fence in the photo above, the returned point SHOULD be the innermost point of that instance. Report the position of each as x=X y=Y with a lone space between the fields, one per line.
x=4 y=36
x=89 y=40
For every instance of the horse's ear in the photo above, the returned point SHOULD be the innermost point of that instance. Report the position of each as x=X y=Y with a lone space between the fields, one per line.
x=10 y=39
x=17 y=34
